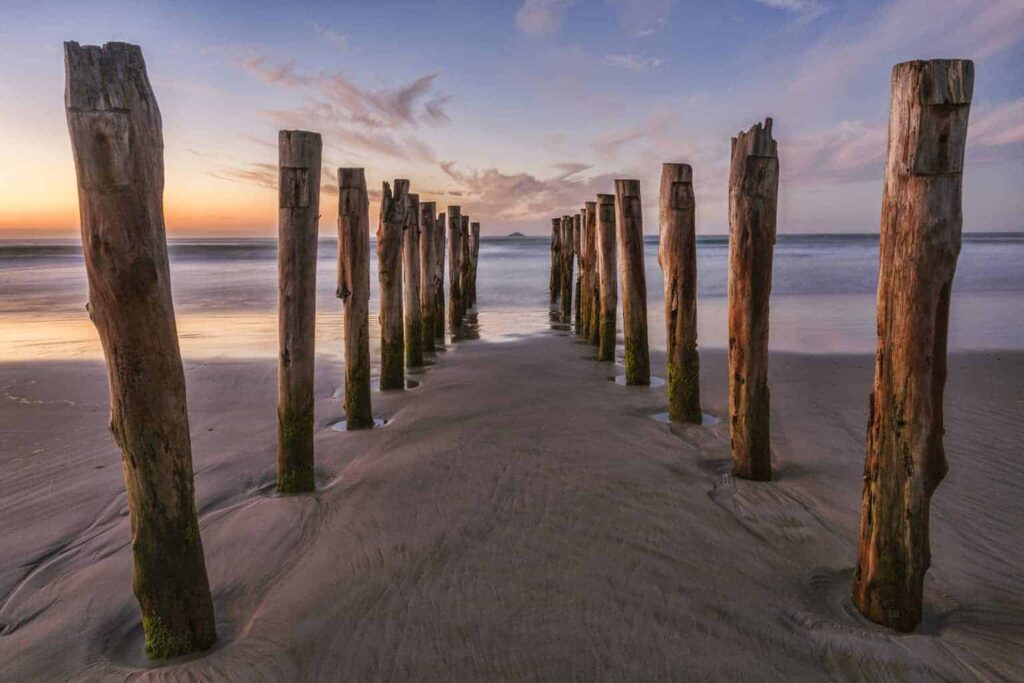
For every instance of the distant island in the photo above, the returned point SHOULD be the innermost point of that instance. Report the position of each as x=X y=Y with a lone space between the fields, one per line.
x=516 y=234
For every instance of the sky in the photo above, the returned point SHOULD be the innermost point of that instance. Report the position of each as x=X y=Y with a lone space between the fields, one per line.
x=516 y=110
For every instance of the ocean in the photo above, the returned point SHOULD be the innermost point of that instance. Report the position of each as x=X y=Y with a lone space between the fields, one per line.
x=225 y=292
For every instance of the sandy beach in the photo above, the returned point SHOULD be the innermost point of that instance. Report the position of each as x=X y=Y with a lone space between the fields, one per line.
x=520 y=517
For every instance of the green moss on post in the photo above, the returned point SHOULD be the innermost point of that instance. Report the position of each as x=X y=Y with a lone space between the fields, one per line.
x=629 y=224
x=295 y=448
x=684 y=389
x=116 y=138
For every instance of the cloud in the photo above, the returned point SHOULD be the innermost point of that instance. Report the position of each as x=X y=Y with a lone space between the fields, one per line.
x=521 y=197
x=904 y=29
x=336 y=39
x=541 y=17
x=633 y=62
x=266 y=175
x=354 y=118
x=643 y=18
x=806 y=10
x=410 y=104
x=853 y=151
x=848 y=152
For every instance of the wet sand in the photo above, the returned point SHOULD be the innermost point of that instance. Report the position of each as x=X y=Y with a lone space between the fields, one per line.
x=520 y=517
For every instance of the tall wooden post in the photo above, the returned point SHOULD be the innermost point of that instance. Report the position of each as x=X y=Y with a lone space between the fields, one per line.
x=753 y=196
x=465 y=264
x=354 y=291
x=555 y=286
x=629 y=218
x=474 y=255
x=607 y=271
x=577 y=229
x=394 y=217
x=592 y=307
x=299 y=202
x=411 y=286
x=677 y=254
x=116 y=138
x=584 y=302
x=428 y=262
x=566 y=252
x=439 y=261
x=454 y=267
x=920 y=242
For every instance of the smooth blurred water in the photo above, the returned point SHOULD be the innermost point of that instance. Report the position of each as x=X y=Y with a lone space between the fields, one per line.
x=226 y=295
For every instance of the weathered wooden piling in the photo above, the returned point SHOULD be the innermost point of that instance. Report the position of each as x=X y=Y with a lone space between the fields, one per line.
x=454 y=267
x=577 y=229
x=354 y=291
x=919 y=245
x=592 y=300
x=581 y=262
x=474 y=255
x=428 y=261
x=677 y=254
x=753 y=197
x=439 y=262
x=607 y=271
x=555 y=286
x=567 y=254
x=394 y=217
x=411 y=286
x=117 y=142
x=465 y=264
x=298 y=214
x=629 y=220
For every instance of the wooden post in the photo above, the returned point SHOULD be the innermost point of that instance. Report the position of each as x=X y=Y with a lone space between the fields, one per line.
x=428 y=261
x=920 y=242
x=577 y=229
x=354 y=291
x=299 y=211
x=116 y=138
x=592 y=308
x=394 y=217
x=439 y=248
x=474 y=255
x=584 y=303
x=454 y=267
x=566 y=253
x=753 y=196
x=411 y=286
x=555 y=286
x=629 y=217
x=677 y=254
x=465 y=265
x=607 y=269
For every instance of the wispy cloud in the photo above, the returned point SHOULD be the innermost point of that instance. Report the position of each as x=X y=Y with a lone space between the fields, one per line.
x=805 y=10
x=907 y=28
x=338 y=40
x=520 y=197
x=633 y=62
x=643 y=18
x=541 y=17
x=355 y=118
x=855 y=150
x=410 y=104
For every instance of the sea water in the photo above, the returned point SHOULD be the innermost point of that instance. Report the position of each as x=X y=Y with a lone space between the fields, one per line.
x=225 y=294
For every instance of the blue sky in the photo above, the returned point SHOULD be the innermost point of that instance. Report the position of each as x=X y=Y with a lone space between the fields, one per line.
x=516 y=110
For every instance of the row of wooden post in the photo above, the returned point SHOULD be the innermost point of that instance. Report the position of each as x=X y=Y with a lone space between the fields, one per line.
x=117 y=142
x=919 y=244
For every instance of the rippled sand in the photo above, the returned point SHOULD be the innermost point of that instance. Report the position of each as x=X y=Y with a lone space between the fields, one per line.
x=519 y=518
